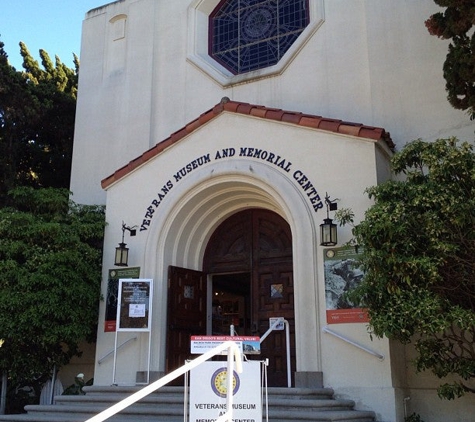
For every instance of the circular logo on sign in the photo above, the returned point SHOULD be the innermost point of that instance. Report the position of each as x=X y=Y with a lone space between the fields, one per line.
x=219 y=382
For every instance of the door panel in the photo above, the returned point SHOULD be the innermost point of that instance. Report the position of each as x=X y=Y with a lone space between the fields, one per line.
x=186 y=313
x=274 y=297
x=273 y=290
x=260 y=241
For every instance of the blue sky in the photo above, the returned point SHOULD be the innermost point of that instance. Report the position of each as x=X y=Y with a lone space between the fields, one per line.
x=51 y=25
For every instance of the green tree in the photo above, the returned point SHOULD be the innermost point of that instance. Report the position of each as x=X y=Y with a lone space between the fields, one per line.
x=50 y=266
x=37 y=111
x=456 y=23
x=419 y=258
x=15 y=112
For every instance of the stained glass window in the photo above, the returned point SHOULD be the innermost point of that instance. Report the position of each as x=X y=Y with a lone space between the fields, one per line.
x=188 y=292
x=277 y=291
x=247 y=35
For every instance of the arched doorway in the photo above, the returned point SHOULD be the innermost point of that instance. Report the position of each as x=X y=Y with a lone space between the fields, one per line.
x=249 y=259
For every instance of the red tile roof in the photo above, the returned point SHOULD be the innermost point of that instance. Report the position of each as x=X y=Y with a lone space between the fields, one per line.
x=301 y=119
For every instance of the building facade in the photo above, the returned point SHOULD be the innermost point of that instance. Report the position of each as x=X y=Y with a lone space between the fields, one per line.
x=199 y=125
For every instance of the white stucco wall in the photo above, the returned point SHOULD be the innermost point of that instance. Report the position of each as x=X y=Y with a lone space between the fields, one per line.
x=196 y=204
x=422 y=395
x=370 y=61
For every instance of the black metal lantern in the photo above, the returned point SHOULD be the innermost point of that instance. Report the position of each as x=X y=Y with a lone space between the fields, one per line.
x=328 y=230
x=121 y=255
x=328 y=233
x=122 y=251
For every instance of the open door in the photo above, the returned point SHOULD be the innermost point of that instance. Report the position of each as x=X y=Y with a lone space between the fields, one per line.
x=250 y=259
x=186 y=313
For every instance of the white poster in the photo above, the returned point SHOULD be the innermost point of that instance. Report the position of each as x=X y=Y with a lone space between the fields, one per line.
x=137 y=310
x=208 y=388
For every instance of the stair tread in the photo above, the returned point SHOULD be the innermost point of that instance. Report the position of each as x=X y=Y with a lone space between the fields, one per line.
x=145 y=409
x=274 y=401
x=285 y=405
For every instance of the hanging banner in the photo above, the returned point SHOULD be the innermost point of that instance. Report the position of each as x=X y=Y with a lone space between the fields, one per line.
x=342 y=273
x=134 y=312
x=208 y=389
x=113 y=292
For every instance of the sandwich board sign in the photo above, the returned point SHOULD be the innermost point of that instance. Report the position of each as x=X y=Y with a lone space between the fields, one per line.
x=134 y=313
x=208 y=390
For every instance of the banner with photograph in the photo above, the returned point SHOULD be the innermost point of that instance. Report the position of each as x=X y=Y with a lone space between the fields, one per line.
x=342 y=273
x=113 y=292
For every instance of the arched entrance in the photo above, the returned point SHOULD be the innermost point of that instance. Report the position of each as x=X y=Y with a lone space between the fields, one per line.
x=249 y=259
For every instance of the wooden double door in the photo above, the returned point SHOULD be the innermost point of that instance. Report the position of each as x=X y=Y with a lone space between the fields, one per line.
x=249 y=262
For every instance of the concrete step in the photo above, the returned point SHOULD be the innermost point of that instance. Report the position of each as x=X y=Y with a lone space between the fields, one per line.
x=166 y=405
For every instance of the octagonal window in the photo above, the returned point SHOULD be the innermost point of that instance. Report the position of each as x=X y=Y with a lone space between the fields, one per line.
x=247 y=35
x=237 y=41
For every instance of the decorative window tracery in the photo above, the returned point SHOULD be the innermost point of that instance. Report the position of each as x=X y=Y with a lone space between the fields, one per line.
x=306 y=14
x=247 y=35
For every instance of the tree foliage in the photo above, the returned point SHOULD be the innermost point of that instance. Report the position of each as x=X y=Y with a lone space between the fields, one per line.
x=50 y=266
x=456 y=23
x=37 y=111
x=419 y=258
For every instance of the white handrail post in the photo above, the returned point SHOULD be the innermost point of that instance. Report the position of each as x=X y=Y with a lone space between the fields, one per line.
x=229 y=384
x=265 y=365
x=185 y=398
x=287 y=346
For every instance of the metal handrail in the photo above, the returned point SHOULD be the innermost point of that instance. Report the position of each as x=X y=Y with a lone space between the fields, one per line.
x=347 y=340
x=287 y=343
x=103 y=358
x=233 y=351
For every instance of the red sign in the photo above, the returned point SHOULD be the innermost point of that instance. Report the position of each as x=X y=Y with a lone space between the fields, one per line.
x=341 y=316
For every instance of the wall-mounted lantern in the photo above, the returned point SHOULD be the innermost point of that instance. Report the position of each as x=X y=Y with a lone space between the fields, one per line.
x=328 y=229
x=122 y=252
